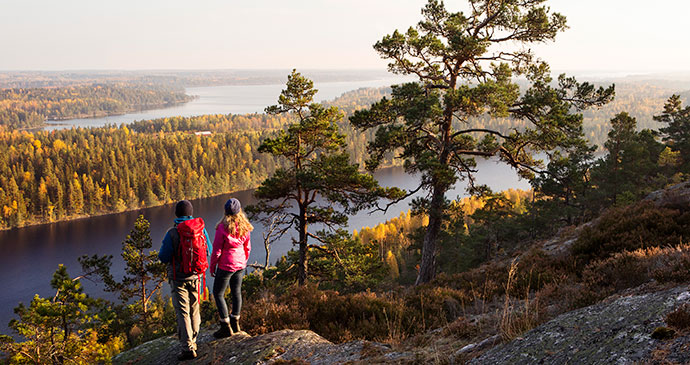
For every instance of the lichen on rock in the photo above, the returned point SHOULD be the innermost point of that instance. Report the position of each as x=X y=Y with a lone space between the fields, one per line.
x=286 y=345
x=617 y=332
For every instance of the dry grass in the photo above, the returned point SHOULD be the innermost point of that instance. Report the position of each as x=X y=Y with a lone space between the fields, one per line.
x=517 y=316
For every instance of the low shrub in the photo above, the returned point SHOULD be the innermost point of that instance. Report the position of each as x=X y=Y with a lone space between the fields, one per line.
x=461 y=328
x=680 y=317
x=629 y=228
x=629 y=269
x=337 y=317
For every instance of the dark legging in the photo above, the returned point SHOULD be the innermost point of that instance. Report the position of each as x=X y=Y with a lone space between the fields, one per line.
x=220 y=284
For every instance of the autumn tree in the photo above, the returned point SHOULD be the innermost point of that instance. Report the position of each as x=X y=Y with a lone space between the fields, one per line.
x=466 y=65
x=318 y=176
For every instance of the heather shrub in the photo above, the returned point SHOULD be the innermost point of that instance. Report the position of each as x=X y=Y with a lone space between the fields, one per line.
x=362 y=315
x=265 y=313
x=482 y=283
x=337 y=317
x=536 y=269
x=563 y=296
x=629 y=269
x=680 y=317
x=674 y=266
x=435 y=306
x=461 y=328
x=622 y=271
x=630 y=228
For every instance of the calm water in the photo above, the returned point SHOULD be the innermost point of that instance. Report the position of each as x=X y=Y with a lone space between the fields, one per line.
x=235 y=99
x=32 y=254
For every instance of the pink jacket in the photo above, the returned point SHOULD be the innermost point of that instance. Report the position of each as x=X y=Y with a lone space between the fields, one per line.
x=229 y=253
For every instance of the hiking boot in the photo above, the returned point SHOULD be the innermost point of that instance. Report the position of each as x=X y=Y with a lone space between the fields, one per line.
x=224 y=331
x=186 y=355
x=235 y=324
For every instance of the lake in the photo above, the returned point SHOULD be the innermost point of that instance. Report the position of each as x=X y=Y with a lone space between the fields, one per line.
x=32 y=254
x=235 y=99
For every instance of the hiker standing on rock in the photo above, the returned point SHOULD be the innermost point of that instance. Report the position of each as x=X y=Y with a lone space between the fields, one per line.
x=186 y=248
x=231 y=247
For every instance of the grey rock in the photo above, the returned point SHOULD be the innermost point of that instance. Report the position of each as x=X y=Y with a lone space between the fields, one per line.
x=676 y=195
x=618 y=332
x=285 y=345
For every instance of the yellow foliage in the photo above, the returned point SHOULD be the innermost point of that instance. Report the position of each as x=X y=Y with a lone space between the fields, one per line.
x=59 y=145
x=392 y=263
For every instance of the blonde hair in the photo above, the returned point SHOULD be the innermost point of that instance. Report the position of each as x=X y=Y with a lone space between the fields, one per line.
x=238 y=225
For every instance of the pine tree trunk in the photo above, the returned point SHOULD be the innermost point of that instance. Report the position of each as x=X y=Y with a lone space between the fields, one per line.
x=427 y=269
x=143 y=304
x=303 y=261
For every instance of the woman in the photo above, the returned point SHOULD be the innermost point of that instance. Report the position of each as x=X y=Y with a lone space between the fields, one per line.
x=231 y=247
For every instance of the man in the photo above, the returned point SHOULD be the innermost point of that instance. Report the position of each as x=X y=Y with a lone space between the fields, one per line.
x=185 y=271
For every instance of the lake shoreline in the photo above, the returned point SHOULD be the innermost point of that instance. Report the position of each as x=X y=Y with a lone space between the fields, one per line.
x=101 y=214
x=137 y=108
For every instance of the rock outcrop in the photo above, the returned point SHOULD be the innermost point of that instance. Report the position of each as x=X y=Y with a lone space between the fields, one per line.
x=616 y=332
x=676 y=195
x=287 y=345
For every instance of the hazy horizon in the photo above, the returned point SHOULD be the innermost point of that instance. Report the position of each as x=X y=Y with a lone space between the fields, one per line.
x=81 y=35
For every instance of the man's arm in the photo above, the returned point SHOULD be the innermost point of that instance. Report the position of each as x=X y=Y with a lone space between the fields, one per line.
x=166 y=251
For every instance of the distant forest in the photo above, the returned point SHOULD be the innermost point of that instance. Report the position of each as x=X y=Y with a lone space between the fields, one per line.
x=179 y=79
x=51 y=176
x=54 y=176
x=30 y=108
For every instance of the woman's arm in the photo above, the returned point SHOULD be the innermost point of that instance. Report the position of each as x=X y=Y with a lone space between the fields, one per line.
x=247 y=246
x=217 y=248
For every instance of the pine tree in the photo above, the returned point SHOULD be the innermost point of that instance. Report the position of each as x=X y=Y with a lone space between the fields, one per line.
x=144 y=273
x=465 y=65
x=676 y=133
x=59 y=329
x=318 y=176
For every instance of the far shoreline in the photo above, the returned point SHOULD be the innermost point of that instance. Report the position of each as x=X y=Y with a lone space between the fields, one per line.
x=72 y=218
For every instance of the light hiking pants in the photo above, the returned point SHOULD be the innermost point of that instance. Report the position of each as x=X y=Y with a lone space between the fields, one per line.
x=185 y=298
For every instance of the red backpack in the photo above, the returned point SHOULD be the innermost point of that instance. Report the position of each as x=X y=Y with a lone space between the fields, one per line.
x=192 y=250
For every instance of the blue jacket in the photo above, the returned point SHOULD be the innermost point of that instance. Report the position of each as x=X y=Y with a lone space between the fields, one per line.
x=166 y=252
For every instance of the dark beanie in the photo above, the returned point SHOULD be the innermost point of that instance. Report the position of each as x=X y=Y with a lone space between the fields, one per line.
x=232 y=206
x=184 y=209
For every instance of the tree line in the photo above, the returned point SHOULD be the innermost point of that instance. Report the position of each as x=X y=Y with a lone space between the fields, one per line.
x=52 y=176
x=30 y=107
x=46 y=177
x=35 y=190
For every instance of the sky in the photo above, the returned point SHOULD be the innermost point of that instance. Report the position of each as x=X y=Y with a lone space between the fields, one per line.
x=604 y=35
